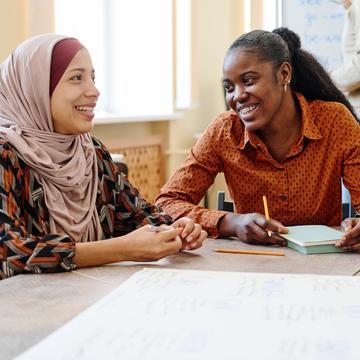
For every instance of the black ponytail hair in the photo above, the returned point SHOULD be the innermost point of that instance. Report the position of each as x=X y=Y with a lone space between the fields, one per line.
x=308 y=77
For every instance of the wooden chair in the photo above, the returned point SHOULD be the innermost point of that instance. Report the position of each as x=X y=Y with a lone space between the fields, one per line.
x=144 y=158
x=348 y=210
x=119 y=161
x=222 y=204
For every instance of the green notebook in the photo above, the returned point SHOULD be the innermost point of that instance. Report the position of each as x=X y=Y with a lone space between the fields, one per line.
x=313 y=239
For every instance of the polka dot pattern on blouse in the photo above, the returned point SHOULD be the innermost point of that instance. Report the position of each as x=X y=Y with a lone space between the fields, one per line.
x=304 y=188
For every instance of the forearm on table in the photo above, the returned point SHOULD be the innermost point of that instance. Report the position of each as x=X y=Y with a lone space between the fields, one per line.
x=207 y=218
x=101 y=252
x=227 y=225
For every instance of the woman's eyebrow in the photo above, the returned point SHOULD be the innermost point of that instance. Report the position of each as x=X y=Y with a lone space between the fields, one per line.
x=251 y=72
x=79 y=69
x=76 y=69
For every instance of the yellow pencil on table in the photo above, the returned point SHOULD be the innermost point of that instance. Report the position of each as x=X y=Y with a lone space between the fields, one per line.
x=267 y=216
x=249 y=252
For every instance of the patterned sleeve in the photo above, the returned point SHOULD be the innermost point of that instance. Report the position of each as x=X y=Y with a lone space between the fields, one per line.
x=131 y=210
x=21 y=252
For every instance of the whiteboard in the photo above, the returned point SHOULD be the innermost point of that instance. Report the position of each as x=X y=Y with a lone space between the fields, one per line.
x=319 y=24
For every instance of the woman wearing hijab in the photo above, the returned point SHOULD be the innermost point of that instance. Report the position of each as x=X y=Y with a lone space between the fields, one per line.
x=60 y=192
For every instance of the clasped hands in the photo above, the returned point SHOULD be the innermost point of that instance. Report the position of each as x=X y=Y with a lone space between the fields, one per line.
x=151 y=243
x=189 y=233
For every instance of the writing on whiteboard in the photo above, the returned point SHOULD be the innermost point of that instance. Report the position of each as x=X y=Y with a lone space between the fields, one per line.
x=319 y=24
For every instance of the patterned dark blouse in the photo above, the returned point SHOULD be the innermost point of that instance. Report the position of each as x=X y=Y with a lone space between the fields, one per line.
x=25 y=242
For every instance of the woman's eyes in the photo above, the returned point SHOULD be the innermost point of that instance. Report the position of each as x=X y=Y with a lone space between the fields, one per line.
x=228 y=87
x=76 y=77
x=249 y=81
x=80 y=77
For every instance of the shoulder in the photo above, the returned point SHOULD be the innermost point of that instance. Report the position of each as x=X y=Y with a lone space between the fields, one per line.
x=9 y=156
x=331 y=111
x=323 y=111
x=225 y=128
x=224 y=121
x=105 y=163
x=101 y=150
x=12 y=166
x=335 y=121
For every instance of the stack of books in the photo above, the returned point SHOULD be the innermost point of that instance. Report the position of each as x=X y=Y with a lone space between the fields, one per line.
x=313 y=239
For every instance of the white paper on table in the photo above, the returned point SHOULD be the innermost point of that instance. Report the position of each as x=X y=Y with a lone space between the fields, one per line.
x=190 y=315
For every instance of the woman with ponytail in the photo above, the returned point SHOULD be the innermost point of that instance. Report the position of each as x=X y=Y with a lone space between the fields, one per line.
x=290 y=135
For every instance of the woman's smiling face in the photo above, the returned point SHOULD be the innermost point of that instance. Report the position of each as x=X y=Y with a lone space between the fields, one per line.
x=74 y=98
x=254 y=89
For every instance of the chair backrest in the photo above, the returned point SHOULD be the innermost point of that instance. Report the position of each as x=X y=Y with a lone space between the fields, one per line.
x=222 y=204
x=348 y=210
x=120 y=163
x=144 y=159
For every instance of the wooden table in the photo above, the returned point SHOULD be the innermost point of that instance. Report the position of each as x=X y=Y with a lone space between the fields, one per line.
x=33 y=306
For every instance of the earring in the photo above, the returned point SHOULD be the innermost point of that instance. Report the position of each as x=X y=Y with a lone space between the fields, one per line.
x=286 y=85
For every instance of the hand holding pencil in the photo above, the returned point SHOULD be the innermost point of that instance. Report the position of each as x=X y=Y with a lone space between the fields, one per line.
x=253 y=228
x=267 y=216
x=273 y=233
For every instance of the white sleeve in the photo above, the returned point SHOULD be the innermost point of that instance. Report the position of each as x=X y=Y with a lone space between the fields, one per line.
x=347 y=77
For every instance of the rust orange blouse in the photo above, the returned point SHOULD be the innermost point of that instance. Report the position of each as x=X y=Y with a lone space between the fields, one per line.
x=305 y=188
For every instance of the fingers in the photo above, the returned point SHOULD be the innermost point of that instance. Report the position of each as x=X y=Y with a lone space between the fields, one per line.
x=196 y=242
x=278 y=240
x=169 y=237
x=172 y=247
x=266 y=231
x=188 y=226
x=271 y=224
x=351 y=238
x=192 y=233
x=348 y=224
x=165 y=233
x=169 y=240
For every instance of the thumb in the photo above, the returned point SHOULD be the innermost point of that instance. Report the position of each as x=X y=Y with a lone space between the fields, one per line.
x=169 y=233
x=277 y=226
x=347 y=224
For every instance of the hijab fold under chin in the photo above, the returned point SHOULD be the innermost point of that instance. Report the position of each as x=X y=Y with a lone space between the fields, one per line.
x=65 y=165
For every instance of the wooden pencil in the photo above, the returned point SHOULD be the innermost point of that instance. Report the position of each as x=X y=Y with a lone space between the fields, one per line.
x=249 y=252
x=267 y=216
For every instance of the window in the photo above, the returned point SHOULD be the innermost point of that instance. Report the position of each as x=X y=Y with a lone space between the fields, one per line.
x=271 y=14
x=131 y=44
x=183 y=54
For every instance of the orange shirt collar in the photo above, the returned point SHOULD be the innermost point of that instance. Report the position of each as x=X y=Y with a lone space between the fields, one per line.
x=308 y=128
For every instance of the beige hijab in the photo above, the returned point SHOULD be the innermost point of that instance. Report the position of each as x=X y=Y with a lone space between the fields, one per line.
x=65 y=165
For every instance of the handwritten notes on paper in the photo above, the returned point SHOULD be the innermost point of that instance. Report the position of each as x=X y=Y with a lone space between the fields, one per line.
x=319 y=24
x=175 y=314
